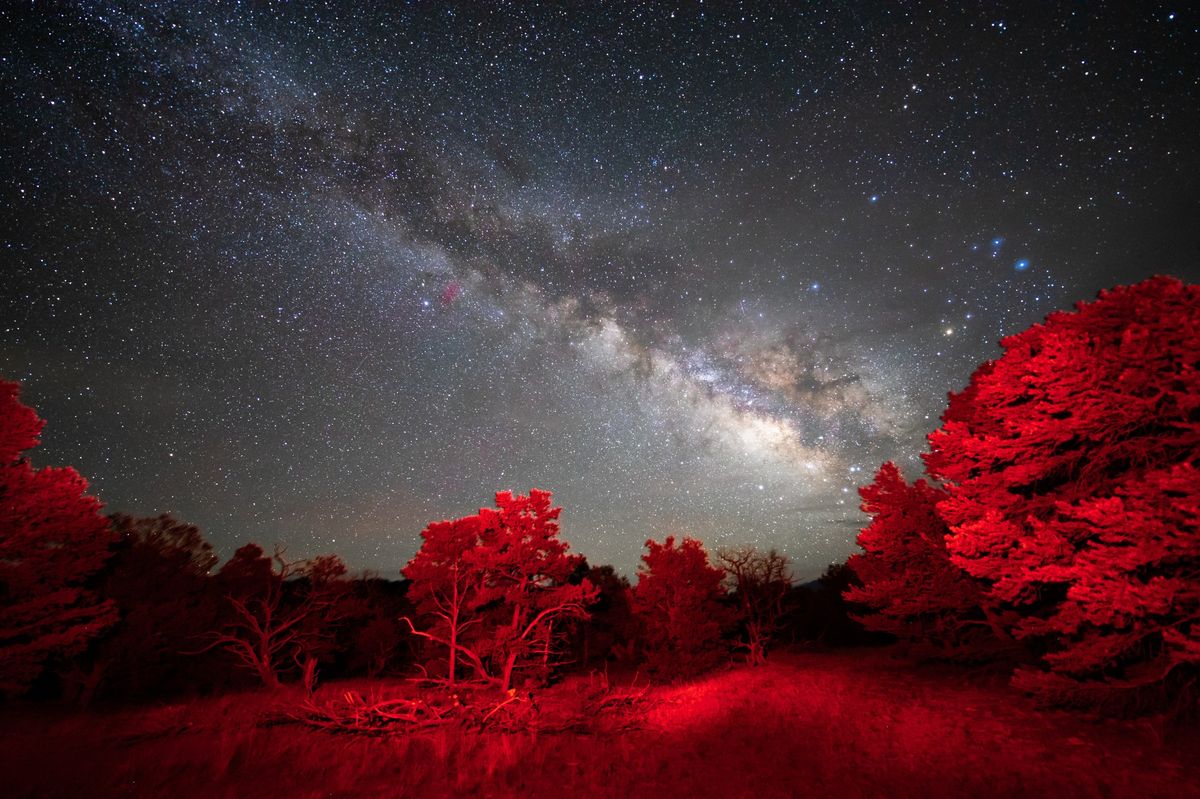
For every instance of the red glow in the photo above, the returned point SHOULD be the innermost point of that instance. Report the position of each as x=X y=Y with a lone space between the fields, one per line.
x=1061 y=544
x=450 y=293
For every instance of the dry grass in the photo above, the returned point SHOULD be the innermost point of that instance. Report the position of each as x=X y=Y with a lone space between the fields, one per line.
x=843 y=724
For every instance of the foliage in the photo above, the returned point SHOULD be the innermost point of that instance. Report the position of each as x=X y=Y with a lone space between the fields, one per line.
x=609 y=632
x=908 y=585
x=492 y=587
x=374 y=640
x=1070 y=465
x=158 y=578
x=52 y=540
x=679 y=601
x=818 y=613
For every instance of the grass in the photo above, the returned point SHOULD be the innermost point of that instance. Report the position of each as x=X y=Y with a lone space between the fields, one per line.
x=857 y=723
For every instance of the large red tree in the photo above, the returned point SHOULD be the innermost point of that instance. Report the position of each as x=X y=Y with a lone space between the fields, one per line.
x=908 y=583
x=678 y=600
x=52 y=539
x=1073 y=493
x=492 y=587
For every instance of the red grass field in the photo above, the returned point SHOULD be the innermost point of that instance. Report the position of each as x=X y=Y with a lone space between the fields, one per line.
x=850 y=723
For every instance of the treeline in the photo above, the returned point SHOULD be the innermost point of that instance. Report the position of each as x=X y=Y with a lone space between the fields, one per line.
x=1060 y=527
x=1058 y=533
x=125 y=608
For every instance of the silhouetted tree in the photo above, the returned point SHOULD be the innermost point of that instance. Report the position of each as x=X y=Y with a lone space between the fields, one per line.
x=760 y=582
x=818 y=613
x=268 y=627
x=610 y=629
x=678 y=600
x=52 y=540
x=503 y=572
x=906 y=578
x=158 y=578
x=1071 y=468
x=377 y=639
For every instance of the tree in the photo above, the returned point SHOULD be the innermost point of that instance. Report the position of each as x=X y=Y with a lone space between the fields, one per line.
x=52 y=540
x=761 y=582
x=1070 y=465
x=610 y=629
x=818 y=610
x=448 y=589
x=266 y=624
x=678 y=600
x=907 y=582
x=157 y=576
x=376 y=640
x=505 y=573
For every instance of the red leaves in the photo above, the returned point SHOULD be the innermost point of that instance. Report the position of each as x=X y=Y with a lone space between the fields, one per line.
x=492 y=586
x=19 y=424
x=678 y=601
x=52 y=538
x=908 y=582
x=1072 y=487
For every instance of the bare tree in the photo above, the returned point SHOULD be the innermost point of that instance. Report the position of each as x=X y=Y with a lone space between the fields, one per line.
x=760 y=582
x=270 y=625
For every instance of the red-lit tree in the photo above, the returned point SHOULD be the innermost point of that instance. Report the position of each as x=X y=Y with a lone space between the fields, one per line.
x=1073 y=495
x=492 y=586
x=761 y=582
x=448 y=590
x=52 y=539
x=679 y=601
x=907 y=580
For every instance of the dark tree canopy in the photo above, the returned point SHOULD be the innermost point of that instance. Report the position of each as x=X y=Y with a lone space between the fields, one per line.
x=1073 y=494
x=278 y=613
x=157 y=576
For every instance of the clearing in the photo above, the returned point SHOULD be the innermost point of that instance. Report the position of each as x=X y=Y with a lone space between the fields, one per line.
x=849 y=723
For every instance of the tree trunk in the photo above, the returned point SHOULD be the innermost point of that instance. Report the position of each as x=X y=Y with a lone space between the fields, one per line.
x=266 y=668
x=506 y=678
x=267 y=674
x=454 y=634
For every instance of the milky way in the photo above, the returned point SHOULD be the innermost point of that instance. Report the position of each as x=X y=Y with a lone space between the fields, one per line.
x=322 y=275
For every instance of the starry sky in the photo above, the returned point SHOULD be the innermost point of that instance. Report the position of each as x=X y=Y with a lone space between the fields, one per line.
x=320 y=274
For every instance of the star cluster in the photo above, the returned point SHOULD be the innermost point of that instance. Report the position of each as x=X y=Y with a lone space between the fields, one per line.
x=322 y=274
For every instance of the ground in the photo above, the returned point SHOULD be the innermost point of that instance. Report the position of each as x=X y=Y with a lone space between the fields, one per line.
x=841 y=724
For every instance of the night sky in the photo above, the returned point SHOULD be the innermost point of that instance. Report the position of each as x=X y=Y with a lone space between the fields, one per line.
x=321 y=275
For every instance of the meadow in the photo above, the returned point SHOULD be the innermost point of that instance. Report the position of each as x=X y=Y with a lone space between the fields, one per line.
x=848 y=723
